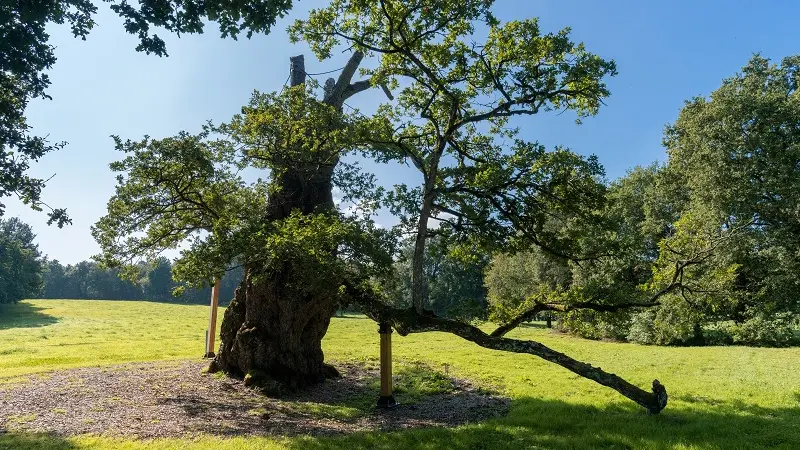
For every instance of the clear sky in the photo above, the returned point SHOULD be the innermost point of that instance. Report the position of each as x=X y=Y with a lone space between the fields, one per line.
x=666 y=52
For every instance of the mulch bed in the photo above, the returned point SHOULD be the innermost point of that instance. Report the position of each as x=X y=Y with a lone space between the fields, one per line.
x=175 y=399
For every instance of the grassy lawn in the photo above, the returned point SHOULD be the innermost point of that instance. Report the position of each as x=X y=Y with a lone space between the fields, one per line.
x=720 y=397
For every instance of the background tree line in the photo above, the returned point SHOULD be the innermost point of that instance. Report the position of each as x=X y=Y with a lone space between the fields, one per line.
x=25 y=273
x=725 y=202
x=89 y=280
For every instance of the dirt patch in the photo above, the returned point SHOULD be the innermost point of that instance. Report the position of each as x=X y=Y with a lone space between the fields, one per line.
x=177 y=400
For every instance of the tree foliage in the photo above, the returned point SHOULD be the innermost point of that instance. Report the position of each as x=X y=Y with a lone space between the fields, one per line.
x=737 y=153
x=454 y=114
x=480 y=181
x=724 y=202
x=26 y=54
x=188 y=188
x=20 y=262
x=455 y=282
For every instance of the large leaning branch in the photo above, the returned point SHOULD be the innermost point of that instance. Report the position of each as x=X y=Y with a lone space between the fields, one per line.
x=407 y=321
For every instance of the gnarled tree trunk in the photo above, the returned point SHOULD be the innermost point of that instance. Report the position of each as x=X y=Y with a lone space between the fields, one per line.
x=272 y=330
x=273 y=334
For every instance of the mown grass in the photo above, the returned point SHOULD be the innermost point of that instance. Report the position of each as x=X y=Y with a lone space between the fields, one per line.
x=43 y=335
x=720 y=397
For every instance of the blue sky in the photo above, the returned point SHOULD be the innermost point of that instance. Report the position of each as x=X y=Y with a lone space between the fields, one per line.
x=666 y=52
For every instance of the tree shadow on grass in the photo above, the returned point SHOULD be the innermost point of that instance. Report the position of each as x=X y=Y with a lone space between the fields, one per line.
x=33 y=441
x=345 y=405
x=552 y=424
x=540 y=325
x=693 y=422
x=24 y=315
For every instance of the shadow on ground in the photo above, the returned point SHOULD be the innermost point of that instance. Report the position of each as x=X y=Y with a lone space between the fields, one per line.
x=24 y=315
x=176 y=400
x=550 y=424
x=34 y=441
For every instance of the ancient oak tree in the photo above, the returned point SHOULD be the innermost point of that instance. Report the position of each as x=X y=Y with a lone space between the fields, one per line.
x=457 y=106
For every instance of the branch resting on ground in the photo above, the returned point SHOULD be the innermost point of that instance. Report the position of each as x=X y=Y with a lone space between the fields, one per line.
x=407 y=321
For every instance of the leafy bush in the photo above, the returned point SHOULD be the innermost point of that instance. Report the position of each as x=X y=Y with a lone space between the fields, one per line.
x=673 y=325
x=593 y=325
x=677 y=325
x=642 y=329
x=762 y=331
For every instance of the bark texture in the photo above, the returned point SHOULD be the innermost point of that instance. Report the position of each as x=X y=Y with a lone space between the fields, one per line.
x=272 y=330
x=275 y=335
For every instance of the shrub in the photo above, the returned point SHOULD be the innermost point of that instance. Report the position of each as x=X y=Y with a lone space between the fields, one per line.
x=642 y=329
x=764 y=331
x=593 y=325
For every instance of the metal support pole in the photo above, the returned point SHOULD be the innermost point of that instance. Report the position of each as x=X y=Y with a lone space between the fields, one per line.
x=211 y=332
x=386 y=400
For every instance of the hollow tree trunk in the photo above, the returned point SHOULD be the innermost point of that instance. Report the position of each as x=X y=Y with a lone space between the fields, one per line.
x=273 y=329
x=273 y=334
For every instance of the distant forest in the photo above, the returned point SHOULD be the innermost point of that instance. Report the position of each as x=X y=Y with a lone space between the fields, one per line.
x=88 y=280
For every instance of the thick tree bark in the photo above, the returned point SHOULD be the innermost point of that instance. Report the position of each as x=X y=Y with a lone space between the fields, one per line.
x=274 y=335
x=273 y=331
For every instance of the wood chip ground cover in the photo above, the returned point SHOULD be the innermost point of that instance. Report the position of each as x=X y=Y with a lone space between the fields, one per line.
x=175 y=399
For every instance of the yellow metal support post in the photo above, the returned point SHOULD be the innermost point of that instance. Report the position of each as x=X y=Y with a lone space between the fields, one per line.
x=211 y=333
x=386 y=400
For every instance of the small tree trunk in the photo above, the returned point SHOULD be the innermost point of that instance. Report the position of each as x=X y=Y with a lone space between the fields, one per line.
x=418 y=280
x=549 y=319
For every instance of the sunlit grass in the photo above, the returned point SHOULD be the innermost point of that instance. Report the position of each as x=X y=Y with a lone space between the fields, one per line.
x=720 y=397
x=54 y=334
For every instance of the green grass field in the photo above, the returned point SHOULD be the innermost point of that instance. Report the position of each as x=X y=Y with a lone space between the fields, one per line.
x=720 y=397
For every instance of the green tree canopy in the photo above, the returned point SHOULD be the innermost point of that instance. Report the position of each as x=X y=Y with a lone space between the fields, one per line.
x=712 y=233
x=26 y=54
x=737 y=153
x=451 y=117
x=455 y=283
x=20 y=262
